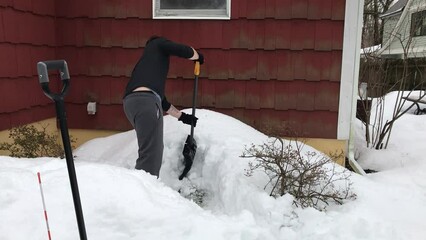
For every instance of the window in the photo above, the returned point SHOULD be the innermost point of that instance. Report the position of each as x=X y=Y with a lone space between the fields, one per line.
x=192 y=9
x=418 y=24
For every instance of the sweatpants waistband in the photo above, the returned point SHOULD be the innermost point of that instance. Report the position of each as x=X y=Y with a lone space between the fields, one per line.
x=147 y=91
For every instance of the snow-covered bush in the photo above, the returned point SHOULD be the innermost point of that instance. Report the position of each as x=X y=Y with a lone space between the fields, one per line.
x=30 y=142
x=312 y=178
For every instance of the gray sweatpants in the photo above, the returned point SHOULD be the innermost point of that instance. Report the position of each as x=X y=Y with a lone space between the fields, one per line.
x=143 y=110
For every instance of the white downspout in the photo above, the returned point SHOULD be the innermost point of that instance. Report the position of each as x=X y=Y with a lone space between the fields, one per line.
x=349 y=77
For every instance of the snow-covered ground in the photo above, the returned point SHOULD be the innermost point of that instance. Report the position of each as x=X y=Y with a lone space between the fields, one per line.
x=122 y=203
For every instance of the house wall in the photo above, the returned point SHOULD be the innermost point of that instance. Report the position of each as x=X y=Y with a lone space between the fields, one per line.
x=274 y=62
x=27 y=34
x=80 y=136
x=48 y=124
x=389 y=25
x=417 y=45
x=403 y=35
x=327 y=146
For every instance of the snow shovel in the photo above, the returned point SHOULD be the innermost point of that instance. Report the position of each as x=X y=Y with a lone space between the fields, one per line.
x=43 y=74
x=190 y=146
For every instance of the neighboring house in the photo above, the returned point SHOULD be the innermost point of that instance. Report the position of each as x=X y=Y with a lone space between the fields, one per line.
x=267 y=62
x=405 y=30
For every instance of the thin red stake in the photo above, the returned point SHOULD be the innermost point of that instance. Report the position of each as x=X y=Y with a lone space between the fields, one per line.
x=44 y=206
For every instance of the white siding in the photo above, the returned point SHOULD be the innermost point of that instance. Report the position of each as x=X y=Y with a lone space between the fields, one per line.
x=389 y=25
x=417 y=46
x=402 y=36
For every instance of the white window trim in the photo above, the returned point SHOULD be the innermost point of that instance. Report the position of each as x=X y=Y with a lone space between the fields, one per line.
x=190 y=14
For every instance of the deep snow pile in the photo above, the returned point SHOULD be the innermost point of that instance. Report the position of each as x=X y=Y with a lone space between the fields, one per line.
x=122 y=203
x=406 y=146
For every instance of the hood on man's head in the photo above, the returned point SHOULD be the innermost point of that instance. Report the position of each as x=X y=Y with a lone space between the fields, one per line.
x=151 y=38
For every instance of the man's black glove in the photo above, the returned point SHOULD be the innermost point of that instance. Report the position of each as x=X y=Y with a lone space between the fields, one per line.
x=200 y=58
x=188 y=119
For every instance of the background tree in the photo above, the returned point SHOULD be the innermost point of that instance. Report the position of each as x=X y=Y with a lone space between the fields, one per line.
x=372 y=31
x=402 y=75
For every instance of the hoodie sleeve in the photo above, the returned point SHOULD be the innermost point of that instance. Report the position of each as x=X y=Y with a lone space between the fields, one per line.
x=165 y=104
x=176 y=49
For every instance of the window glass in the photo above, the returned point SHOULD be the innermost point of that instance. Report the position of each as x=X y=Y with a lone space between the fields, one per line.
x=418 y=24
x=424 y=25
x=193 y=4
x=192 y=9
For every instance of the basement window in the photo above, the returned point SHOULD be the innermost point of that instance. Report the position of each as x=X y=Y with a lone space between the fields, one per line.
x=418 y=24
x=191 y=9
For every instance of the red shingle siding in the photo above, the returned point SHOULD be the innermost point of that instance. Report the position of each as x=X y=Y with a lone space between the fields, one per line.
x=283 y=9
x=338 y=10
x=2 y=39
x=27 y=35
x=320 y=9
x=299 y=9
x=10 y=28
x=23 y=5
x=275 y=61
x=106 y=117
x=45 y=7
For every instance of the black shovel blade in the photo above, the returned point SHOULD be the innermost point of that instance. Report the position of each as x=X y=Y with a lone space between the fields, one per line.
x=188 y=154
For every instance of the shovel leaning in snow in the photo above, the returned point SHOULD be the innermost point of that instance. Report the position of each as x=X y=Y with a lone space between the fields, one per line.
x=43 y=74
x=190 y=146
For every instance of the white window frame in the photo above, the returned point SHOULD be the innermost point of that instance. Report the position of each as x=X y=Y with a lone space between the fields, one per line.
x=158 y=13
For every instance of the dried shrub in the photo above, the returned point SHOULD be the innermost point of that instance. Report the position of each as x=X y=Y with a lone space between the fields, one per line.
x=29 y=142
x=313 y=179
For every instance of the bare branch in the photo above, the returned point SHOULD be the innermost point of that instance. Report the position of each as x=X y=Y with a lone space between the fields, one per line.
x=311 y=178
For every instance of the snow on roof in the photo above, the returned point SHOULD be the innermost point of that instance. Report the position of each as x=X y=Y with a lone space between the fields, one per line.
x=371 y=49
x=394 y=9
